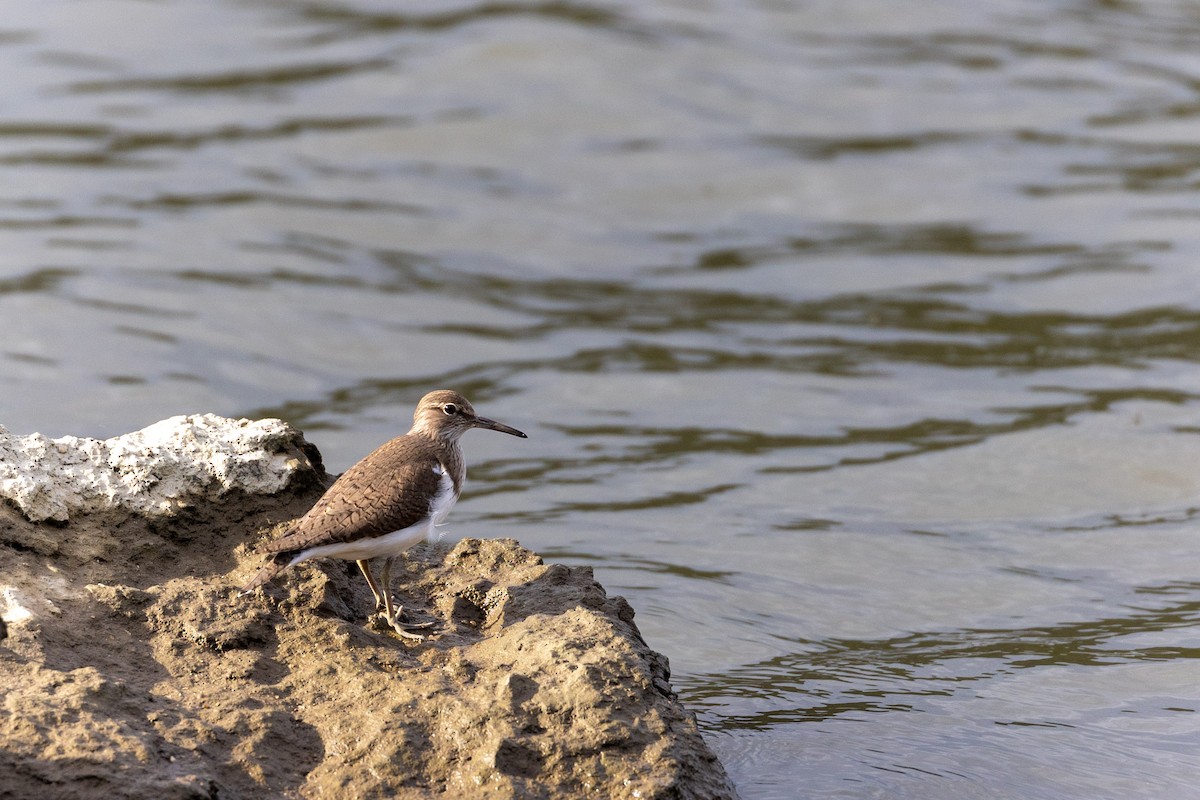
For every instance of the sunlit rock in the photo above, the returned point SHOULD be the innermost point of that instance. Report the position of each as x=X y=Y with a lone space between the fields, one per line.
x=157 y=470
x=132 y=668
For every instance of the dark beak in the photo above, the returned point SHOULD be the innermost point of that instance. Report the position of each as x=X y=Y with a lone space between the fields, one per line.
x=492 y=425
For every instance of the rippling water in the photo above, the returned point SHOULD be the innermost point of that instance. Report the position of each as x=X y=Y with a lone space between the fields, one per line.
x=857 y=342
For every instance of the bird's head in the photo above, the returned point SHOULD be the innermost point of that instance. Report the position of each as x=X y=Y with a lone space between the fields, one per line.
x=446 y=414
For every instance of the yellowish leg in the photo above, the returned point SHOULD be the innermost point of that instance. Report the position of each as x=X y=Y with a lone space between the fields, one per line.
x=392 y=614
x=365 y=566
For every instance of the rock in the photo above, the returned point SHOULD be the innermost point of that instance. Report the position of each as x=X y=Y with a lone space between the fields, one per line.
x=132 y=669
x=155 y=471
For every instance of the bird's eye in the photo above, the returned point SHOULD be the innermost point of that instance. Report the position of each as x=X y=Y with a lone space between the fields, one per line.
x=450 y=409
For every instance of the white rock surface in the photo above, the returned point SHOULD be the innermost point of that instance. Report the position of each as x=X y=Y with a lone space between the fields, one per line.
x=154 y=471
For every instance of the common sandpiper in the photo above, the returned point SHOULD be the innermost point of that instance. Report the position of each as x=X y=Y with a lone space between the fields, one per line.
x=386 y=503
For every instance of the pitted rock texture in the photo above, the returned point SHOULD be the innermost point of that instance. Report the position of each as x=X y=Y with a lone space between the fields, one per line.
x=155 y=471
x=131 y=669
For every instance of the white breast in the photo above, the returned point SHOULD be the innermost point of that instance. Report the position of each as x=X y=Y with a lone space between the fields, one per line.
x=443 y=501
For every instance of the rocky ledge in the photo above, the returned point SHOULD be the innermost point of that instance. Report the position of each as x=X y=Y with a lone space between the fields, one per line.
x=132 y=669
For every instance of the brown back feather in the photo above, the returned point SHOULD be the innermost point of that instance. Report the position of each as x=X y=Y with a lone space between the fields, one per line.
x=388 y=490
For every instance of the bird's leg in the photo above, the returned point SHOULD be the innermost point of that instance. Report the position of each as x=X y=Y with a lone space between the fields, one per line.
x=392 y=613
x=365 y=566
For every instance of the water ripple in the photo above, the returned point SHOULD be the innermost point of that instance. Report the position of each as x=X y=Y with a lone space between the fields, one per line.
x=850 y=677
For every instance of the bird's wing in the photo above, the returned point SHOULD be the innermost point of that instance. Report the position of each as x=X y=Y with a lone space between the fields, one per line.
x=386 y=491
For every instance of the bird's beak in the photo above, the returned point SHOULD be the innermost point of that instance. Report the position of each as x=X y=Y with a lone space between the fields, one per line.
x=492 y=425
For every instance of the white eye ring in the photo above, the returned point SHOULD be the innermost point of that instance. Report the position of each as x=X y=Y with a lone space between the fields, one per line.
x=450 y=409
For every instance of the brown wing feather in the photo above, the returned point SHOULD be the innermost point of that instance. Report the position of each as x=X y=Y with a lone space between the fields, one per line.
x=388 y=490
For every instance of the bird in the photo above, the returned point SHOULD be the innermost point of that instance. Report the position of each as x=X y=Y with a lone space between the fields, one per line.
x=387 y=502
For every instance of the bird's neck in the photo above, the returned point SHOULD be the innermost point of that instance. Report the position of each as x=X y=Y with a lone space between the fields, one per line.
x=450 y=454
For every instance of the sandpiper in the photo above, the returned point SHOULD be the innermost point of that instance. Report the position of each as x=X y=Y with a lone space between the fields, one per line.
x=387 y=502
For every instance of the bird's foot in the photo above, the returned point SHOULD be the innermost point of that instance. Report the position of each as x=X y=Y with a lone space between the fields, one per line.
x=404 y=628
x=403 y=632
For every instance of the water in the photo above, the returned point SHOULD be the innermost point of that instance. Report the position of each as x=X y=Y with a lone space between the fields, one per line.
x=857 y=346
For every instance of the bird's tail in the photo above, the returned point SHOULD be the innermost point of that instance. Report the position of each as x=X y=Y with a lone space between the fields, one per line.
x=273 y=567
